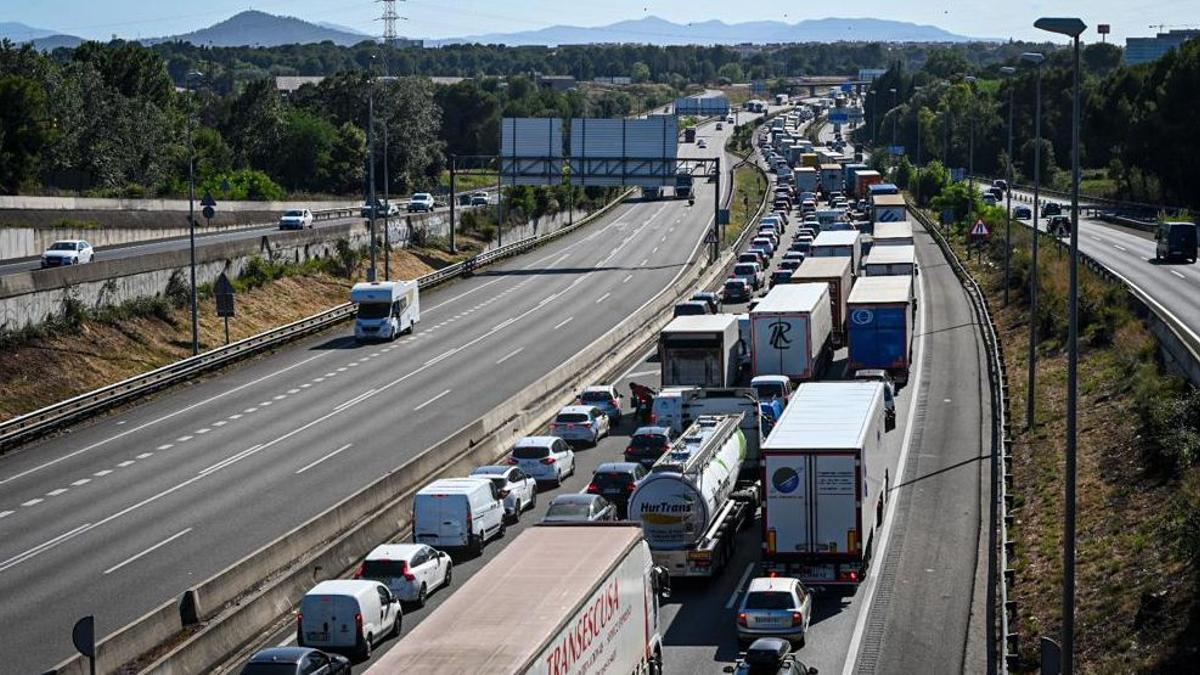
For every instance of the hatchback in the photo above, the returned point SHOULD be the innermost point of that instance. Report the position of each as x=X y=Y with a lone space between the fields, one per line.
x=296 y=661
x=584 y=424
x=648 y=444
x=774 y=607
x=410 y=571
x=546 y=458
x=1022 y=212
x=691 y=308
x=517 y=488
x=710 y=297
x=605 y=396
x=579 y=508
x=616 y=481
x=736 y=290
x=770 y=656
x=781 y=276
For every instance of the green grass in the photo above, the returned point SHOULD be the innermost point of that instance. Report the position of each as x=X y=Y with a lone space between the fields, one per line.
x=749 y=188
x=466 y=183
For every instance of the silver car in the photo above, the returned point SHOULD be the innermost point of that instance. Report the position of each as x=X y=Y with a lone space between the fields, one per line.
x=774 y=607
x=584 y=424
x=579 y=508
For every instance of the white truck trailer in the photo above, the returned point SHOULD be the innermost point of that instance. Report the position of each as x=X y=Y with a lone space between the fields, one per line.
x=825 y=484
x=700 y=350
x=679 y=407
x=559 y=600
x=692 y=504
x=791 y=331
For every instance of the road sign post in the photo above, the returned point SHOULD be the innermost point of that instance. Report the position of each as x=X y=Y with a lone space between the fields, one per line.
x=83 y=636
x=979 y=234
x=209 y=210
x=224 y=292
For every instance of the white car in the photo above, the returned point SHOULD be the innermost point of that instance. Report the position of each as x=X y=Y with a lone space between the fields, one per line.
x=410 y=571
x=548 y=459
x=68 y=252
x=296 y=219
x=517 y=488
x=584 y=424
x=421 y=201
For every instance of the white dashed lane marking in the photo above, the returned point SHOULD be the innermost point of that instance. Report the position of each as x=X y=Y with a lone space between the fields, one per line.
x=1178 y=274
x=33 y=502
x=564 y=322
x=435 y=398
x=55 y=493
x=81 y=481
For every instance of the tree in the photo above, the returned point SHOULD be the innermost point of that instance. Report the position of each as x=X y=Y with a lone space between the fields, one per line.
x=305 y=151
x=732 y=72
x=347 y=159
x=640 y=72
x=944 y=63
x=25 y=130
x=252 y=123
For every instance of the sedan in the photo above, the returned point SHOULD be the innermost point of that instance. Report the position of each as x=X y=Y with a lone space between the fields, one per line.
x=604 y=397
x=410 y=571
x=479 y=198
x=579 y=508
x=517 y=488
x=296 y=661
x=774 y=607
x=1022 y=212
x=616 y=481
x=296 y=219
x=691 y=308
x=68 y=252
x=584 y=424
x=1051 y=209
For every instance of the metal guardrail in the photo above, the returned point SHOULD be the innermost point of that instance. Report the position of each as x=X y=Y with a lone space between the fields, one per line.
x=58 y=414
x=1118 y=205
x=1001 y=445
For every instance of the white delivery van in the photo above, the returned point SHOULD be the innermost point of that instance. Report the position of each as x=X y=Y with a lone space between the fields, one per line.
x=459 y=513
x=347 y=615
x=385 y=309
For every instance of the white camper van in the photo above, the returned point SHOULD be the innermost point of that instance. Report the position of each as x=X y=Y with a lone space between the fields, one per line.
x=385 y=309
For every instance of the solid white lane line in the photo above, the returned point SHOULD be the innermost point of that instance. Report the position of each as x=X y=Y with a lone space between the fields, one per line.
x=222 y=464
x=354 y=400
x=157 y=420
x=737 y=590
x=312 y=464
x=564 y=322
x=148 y=551
x=602 y=298
x=509 y=355
x=431 y=400
x=1178 y=274
x=44 y=546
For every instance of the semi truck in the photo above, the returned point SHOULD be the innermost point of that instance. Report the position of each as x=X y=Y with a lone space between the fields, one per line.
x=836 y=273
x=806 y=179
x=691 y=505
x=683 y=184
x=825 y=484
x=885 y=261
x=791 y=332
x=592 y=606
x=831 y=177
x=880 y=330
x=838 y=244
x=888 y=208
x=899 y=233
x=702 y=350
x=679 y=407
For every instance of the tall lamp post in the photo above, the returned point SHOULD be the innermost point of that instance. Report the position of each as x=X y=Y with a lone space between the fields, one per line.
x=371 y=273
x=1036 y=59
x=188 y=79
x=1072 y=28
x=871 y=94
x=1008 y=72
x=893 y=90
x=970 y=79
x=918 y=190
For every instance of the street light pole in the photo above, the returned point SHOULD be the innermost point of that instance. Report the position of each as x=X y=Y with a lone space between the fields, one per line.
x=1073 y=28
x=971 y=155
x=371 y=273
x=1031 y=388
x=893 y=110
x=1008 y=71
x=195 y=301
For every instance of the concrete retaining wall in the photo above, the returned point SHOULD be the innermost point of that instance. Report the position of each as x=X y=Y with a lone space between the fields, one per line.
x=30 y=242
x=100 y=204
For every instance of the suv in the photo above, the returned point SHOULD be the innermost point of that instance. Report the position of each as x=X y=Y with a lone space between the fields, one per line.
x=1051 y=209
x=421 y=201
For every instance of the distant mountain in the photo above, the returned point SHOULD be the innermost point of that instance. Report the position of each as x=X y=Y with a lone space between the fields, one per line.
x=52 y=42
x=42 y=38
x=340 y=27
x=253 y=28
x=653 y=30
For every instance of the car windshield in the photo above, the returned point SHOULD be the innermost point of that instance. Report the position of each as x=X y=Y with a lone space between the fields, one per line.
x=770 y=600
x=734 y=285
x=569 y=418
x=769 y=390
x=383 y=569
x=499 y=481
x=744 y=269
x=293 y=214
x=269 y=669
x=62 y=246
x=374 y=310
x=596 y=397
x=569 y=509
x=422 y=197
x=531 y=452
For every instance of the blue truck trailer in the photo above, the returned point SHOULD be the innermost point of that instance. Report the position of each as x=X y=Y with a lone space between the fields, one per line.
x=880 y=331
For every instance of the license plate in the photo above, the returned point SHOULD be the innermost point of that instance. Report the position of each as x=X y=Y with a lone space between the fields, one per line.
x=316 y=636
x=767 y=621
x=823 y=572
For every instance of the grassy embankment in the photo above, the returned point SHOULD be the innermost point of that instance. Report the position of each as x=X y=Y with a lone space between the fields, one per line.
x=749 y=184
x=107 y=345
x=1138 y=543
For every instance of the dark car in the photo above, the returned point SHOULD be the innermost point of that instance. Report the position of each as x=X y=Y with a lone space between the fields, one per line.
x=770 y=656
x=710 y=297
x=1051 y=209
x=692 y=308
x=295 y=661
x=781 y=276
x=1022 y=212
x=736 y=290
x=615 y=481
x=648 y=444
x=1059 y=226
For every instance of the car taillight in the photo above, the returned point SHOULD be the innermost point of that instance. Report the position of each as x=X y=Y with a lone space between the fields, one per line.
x=362 y=569
x=512 y=460
x=299 y=619
x=358 y=624
x=593 y=488
x=629 y=450
x=797 y=618
x=586 y=425
x=741 y=618
x=408 y=575
x=631 y=487
x=549 y=460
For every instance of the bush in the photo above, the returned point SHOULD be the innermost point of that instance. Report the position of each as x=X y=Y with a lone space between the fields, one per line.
x=244 y=185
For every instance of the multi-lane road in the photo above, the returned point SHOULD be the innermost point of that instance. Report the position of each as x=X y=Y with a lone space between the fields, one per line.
x=128 y=511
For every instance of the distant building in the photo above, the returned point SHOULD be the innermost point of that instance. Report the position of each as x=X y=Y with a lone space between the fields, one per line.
x=617 y=80
x=1147 y=50
x=406 y=43
x=705 y=104
x=289 y=83
x=868 y=74
x=557 y=82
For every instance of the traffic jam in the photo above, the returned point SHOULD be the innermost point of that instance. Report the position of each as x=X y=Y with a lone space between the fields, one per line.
x=760 y=417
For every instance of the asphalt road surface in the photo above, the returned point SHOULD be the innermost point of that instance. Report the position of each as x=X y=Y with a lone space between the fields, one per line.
x=128 y=511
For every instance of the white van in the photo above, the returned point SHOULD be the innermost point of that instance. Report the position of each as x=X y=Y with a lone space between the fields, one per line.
x=347 y=615
x=458 y=513
x=385 y=309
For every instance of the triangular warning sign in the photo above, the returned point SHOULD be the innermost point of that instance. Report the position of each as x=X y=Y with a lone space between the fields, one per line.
x=980 y=229
x=710 y=238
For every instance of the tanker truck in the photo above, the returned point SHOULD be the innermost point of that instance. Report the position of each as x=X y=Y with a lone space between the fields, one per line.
x=691 y=505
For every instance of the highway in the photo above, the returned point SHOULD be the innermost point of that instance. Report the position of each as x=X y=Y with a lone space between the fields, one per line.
x=131 y=509
x=927 y=591
x=1130 y=253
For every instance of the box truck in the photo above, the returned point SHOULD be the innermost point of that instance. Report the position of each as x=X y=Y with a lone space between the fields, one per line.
x=863 y=182
x=885 y=261
x=678 y=407
x=790 y=332
x=385 y=309
x=831 y=177
x=880 y=330
x=888 y=208
x=560 y=600
x=834 y=271
x=838 y=244
x=850 y=176
x=701 y=350
x=691 y=505
x=825 y=484
x=899 y=233
x=806 y=179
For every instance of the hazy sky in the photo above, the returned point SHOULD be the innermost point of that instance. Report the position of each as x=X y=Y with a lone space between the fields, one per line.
x=447 y=18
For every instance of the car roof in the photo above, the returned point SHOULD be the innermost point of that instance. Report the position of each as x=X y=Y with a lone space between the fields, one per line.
x=766 y=584
x=651 y=430
x=67 y=241
x=395 y=551
x=606 y=388
x=574 y=498
x=492 y=470
x=586 y=409
x=281 y=654
x=617 y=467
x=535 y=441
x=342 y=587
